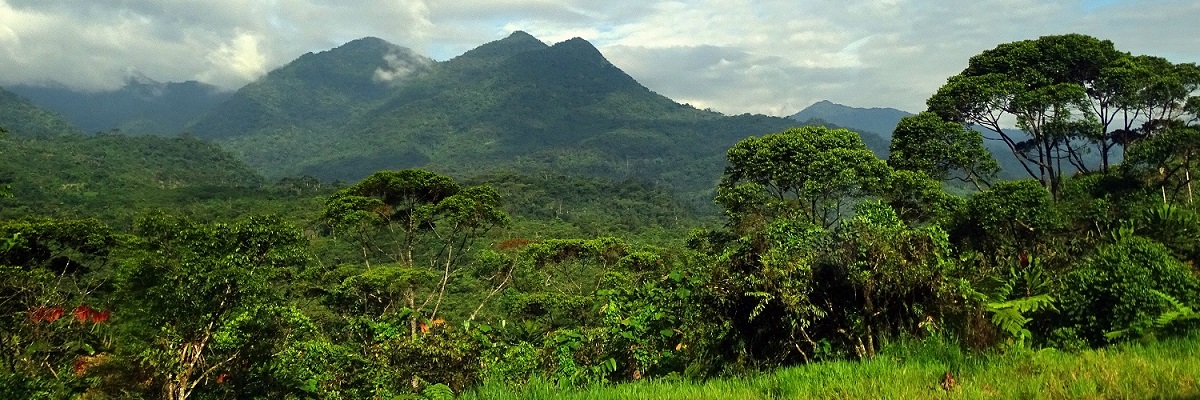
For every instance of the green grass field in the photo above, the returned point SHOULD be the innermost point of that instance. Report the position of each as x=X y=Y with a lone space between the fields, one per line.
x=1169 y=369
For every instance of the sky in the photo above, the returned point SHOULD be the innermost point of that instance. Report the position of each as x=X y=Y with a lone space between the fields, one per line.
x=771 y=57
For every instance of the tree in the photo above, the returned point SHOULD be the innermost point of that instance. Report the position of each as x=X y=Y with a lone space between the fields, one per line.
x=942 y=150
x=917 y=199
x=899 y=276
x=52 y=274
x=1170 y=156
x=812 y=170
x=421 y=222
x=1010 y=218
x=202 y=293
x=1040 y=83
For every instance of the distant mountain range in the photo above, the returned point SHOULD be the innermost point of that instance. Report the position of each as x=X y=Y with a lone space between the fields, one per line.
x=142 y=106
x=515 y=104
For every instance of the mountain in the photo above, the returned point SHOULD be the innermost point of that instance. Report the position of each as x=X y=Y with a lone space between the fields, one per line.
x=21 y=117
x=315 y=94
x=881 y=121
x=142 y=106
x=513 y=104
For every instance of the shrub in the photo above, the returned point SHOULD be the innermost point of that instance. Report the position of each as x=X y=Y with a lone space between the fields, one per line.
x=1115 y=289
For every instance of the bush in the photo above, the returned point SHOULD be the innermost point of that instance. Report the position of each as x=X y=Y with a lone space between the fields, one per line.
x=1114 y=289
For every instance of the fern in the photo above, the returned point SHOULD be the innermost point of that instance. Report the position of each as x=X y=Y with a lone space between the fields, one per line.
x=1178 y=314
x=1010 y=317
x=1008 y=314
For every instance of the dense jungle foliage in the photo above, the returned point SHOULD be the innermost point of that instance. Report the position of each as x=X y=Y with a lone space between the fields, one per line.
x=147 y=267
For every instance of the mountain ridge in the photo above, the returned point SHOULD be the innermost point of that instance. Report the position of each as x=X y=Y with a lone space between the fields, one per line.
x=880 y=121
x=511 y=104
x=514 y=104
x=141 y=106
x=24 y=118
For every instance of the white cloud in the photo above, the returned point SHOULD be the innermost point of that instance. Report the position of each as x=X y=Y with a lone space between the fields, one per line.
x=235 y=62
x=760 y=56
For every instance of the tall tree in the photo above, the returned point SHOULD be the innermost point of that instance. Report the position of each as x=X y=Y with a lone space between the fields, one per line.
x=813 y=170
x=1039 y=83
x=1069 y=94
x=420 y=221
x=941 y=149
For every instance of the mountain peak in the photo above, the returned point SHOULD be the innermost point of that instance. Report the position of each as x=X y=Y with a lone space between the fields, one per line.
x=579 y=48
x=516 y=43
x=367 y=46
x=521 y=36
x=881 y=121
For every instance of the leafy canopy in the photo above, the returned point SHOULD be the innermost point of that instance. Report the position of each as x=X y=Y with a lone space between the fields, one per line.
x=811 y=169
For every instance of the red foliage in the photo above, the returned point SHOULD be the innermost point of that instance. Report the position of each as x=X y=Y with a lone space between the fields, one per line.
x=81 y=365
x=82 y=312
x=513 y=244
x=101 y=316
x=48 y=314
x=1024 y=260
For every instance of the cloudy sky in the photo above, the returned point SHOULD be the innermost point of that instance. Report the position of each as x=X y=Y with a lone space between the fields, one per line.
x=735 y=56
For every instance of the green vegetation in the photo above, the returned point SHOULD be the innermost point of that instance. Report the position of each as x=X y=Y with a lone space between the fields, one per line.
x=150 y=267
x=1167 y=369
x=21 y=117
x=515 y=105
x=115 y=177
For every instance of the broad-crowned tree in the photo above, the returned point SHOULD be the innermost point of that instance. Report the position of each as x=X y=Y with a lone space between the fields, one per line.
x=942 y=150
x=811 y=171
x=423 y=224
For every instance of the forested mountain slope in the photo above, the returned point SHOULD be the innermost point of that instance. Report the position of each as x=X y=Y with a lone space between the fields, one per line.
x=21 y=117
x=77 y=175
x=514 y=104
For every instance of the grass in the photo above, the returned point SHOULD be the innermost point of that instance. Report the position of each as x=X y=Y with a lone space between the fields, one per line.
x=1168 y=369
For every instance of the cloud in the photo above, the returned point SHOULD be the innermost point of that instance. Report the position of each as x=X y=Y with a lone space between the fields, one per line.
x=236 y=61
x=735 y=56
x=400 y=65
x=91 y=45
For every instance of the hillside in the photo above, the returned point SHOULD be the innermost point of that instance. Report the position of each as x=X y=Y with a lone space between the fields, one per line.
x=114 y=176
x=142 y=106
x=513 y=104
x=21 y=117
